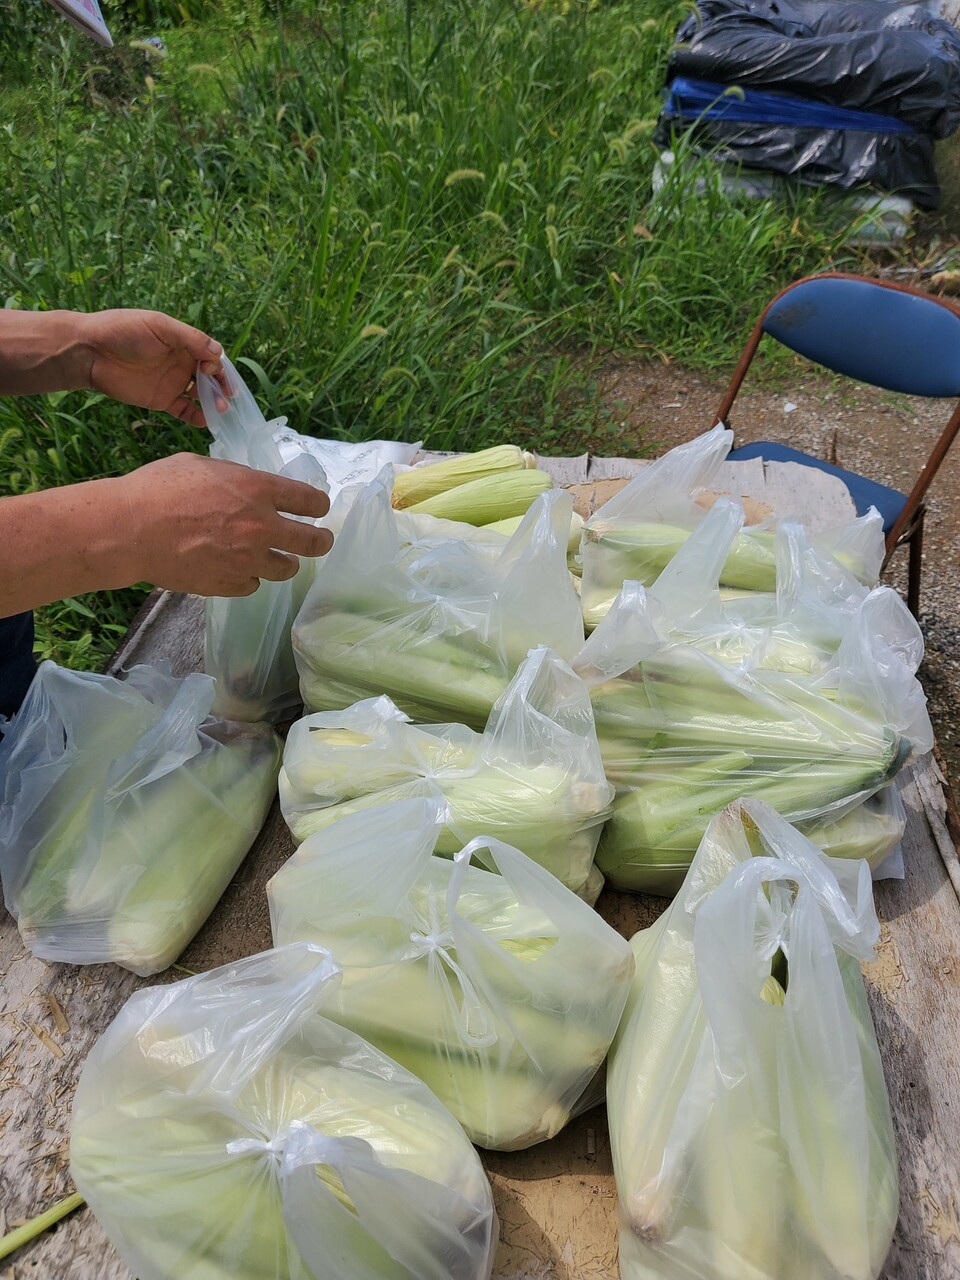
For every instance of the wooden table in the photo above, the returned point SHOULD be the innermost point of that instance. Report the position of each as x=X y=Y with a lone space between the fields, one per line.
x=557 y=1201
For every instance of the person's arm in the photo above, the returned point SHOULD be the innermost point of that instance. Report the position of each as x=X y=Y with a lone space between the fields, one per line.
x=143 y=358
x=185 y=523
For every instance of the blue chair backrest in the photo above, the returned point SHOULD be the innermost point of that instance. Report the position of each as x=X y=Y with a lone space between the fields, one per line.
x=900 y=341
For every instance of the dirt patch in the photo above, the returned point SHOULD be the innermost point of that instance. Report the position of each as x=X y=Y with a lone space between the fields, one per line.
x=882 y=435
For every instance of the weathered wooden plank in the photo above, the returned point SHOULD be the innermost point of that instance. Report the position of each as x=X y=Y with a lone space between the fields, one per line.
x=914 y=993
x=557 y=1202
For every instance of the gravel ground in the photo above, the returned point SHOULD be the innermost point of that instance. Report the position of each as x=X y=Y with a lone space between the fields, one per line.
x=881 y=435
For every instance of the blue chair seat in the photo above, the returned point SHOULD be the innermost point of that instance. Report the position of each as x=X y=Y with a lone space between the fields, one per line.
x=865 y=493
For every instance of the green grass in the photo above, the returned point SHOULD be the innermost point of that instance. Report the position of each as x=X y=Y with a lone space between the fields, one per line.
x=411 y=220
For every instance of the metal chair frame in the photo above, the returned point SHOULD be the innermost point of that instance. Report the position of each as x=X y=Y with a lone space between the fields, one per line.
x=908 y=527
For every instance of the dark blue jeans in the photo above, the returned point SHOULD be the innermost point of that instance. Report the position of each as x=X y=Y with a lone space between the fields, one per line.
x=17 y=667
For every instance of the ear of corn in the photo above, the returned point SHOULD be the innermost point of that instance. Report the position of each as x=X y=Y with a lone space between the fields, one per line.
x=441 y=629
x=430 y=479
x=497 y=987
x=510 y=526
x=225 y=1129
x=533 y=779
x=491 y=498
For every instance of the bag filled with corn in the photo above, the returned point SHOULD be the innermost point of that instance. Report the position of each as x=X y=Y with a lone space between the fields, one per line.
x=493 y=983
x=442 y=628
x=534 y=777
x=247 y=640
x=125 y=809
x=639 y=530
x=749 y=1120
x=682 y=734
x=225 y=1129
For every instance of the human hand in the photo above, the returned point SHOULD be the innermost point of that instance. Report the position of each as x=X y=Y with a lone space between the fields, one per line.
x=148 y=359
x=215 y=528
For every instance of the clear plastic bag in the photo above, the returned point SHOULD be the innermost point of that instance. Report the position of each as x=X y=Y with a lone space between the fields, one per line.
x=636 y=535
x=225 y=1129
x=498 y=987
x=440 y=628
x=683 y=733
x=247 y=642
x=534 y=777
x=749 y=1120
x=125 y=810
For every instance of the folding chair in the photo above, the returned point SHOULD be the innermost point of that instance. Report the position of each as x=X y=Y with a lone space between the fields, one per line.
x=887 y=335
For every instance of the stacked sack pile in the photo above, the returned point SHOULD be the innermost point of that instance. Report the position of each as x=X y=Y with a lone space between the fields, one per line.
x=501 y=708
x=846 y=95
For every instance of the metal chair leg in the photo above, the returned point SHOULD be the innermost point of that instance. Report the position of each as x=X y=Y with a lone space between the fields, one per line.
x=916 y=561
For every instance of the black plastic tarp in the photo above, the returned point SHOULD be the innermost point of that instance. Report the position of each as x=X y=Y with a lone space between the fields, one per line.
x=865 y=54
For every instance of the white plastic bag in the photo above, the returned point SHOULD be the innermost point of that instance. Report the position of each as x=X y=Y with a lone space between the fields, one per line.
x=635 y=535
x=499 y=988
x=125 y=810
x=247 y=643
x=751 y=1132
x=440 y=629
x=225 y=1129
x=534 y=777
x=683 y=732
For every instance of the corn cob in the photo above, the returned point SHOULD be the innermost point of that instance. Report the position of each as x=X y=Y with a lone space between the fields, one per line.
x=420 y=483
x=481 y=502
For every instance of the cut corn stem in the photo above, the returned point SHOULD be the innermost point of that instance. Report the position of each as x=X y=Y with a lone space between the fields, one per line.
x=14 y=1240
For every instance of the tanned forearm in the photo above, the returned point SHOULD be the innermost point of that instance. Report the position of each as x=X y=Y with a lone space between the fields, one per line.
x=43 y=351
x=63 y=542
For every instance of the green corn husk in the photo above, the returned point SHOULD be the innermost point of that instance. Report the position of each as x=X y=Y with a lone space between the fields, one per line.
x=343 y=657
x=423 y=482
x=496 y=987
x=491 y=498
x=687 y=736
x=682 y=699
x=615 y=552
x=655 y=828
x=511 y=525
x=191 y=1105
x=126 y=812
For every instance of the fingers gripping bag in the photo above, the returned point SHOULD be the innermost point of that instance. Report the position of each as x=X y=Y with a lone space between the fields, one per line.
x=482 y=975
x=749 y=1122
x=440 y=629
x=125 y=810
x=247 y=639
x=534 y=778
x=225 y=1129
